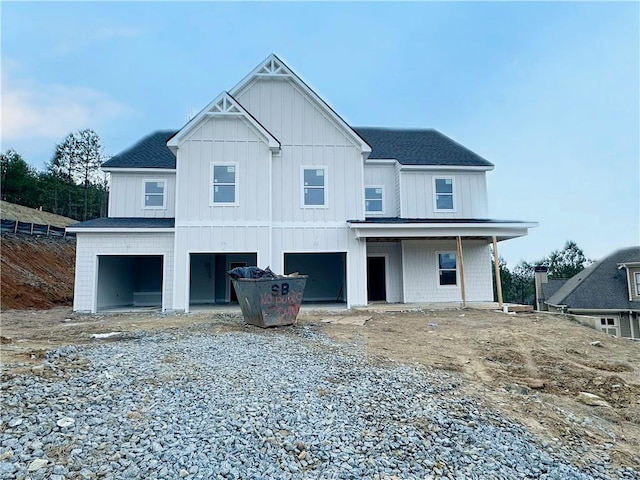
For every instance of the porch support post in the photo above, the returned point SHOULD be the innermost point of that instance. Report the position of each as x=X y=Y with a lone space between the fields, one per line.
x=459 y=249
x=496 y=266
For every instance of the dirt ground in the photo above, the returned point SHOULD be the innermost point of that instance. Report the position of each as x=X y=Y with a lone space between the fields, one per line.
x=530 y=367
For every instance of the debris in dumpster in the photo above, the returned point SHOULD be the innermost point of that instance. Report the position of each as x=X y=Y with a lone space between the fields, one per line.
x=251 y=272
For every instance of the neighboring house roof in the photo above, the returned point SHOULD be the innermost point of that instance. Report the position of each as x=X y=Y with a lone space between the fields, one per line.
x=601 y=286
x=126 y=222
x=150 y=152
x=418 y=147
x=552 y=286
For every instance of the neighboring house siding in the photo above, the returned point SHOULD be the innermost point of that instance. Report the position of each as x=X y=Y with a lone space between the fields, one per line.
x=393 y=252
x=384 y=175
x=91 y=245
x=420 y=272
x=470 y=194
x=126 y=195
x=223 y=140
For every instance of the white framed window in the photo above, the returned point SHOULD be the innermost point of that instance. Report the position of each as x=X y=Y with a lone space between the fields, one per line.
x=314 y=187
x=374 y=199
x=447 y=269
x=154 y=193
x=444 y=194
x=610 y=326
x=224 y=184
x=637 y=276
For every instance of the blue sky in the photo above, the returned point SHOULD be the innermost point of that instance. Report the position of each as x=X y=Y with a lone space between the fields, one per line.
x=549 y=92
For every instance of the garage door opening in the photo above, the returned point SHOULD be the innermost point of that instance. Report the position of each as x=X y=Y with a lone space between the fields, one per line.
x=327 y=272
x=129 y=281
x=208 y=280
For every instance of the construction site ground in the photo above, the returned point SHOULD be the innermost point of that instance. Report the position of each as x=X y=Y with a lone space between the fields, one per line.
x=530 y=367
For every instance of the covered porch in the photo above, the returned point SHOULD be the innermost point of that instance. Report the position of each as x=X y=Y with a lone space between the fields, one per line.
x=433 y=260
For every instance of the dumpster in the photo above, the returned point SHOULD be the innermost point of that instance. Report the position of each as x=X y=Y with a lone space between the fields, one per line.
x=270 y=301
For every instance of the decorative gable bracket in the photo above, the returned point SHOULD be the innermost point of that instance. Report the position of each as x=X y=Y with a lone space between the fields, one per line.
x=224 y=105
x=273 y=68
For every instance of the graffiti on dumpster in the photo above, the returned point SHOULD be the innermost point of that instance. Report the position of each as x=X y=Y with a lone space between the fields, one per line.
x=281 y=299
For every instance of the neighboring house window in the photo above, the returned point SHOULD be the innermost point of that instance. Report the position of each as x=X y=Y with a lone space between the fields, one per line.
x=314 y=186
x=443 y=188
x=154 y=191
x=373 y=198
x=225 y=182
x=447 y=269
x=637 y=283
x=610 y=326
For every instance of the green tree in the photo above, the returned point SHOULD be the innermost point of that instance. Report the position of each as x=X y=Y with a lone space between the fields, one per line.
x=523 y=288
x=17 y=180
x=77 y=163
x=567 y=262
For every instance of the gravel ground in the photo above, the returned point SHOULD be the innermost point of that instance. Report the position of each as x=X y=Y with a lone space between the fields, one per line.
x=269 y=404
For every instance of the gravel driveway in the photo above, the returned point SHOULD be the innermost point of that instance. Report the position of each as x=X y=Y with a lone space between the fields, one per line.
x=286 y=403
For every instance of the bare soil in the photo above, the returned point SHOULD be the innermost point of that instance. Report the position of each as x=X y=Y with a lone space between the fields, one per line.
x=36 y=272
x=529 y=367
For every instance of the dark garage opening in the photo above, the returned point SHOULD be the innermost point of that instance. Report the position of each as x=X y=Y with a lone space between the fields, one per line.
x=129 y=281
x=208 y=280
x=327 y=272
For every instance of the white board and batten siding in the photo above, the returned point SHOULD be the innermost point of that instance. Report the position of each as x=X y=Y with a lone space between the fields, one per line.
x=92 y=245
x=126 y=195
x=309 y=137
x=421 y=277
x=418 y=196
x=384 y=176
x=223 y=141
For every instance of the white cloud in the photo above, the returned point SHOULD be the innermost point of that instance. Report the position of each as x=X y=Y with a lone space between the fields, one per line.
x=32 y=110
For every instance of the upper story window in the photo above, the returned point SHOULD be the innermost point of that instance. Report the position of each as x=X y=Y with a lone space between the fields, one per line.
x=154 y=194
x=443 y=188
x=373 y=199
x=314 y=186
x=447 y=269
x=225 y=183
x=637 y=275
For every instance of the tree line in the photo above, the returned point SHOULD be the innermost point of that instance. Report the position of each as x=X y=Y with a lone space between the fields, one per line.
x=518 y=283
x=71 y=184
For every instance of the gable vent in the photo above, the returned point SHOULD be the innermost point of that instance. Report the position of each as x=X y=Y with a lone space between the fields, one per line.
x=272 y=68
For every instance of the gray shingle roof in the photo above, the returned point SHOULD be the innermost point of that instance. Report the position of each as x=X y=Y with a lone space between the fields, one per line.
x=407 y=146
x=126 y=222
x=418 y=147
x=553 y=285
x=150 y=152
x=600 y=286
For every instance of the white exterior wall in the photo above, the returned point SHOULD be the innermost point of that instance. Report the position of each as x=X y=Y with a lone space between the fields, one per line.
x=418 y=199
x=309 y=137
x=392 y=251
x=90 y=245
x=126 y=195
x=385 y=176
x=226 y=140
x=420 y=271
x=214 y=239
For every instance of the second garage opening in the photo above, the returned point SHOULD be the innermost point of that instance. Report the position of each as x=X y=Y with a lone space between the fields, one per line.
x=327 y=282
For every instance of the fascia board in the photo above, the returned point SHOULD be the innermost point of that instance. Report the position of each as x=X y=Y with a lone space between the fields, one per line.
x=119 y=230
x=447 y=168
x=380 y=161
x=502 y=231
x=139 y=170
x=364 y=146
